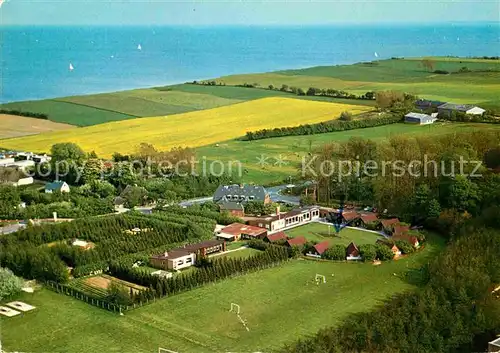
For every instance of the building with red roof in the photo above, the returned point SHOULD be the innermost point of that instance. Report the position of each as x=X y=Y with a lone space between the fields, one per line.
x=273 y=238
x=297 y=241
x=320 y=248
x=352 y=252
x=237 y=231
x=368 y=218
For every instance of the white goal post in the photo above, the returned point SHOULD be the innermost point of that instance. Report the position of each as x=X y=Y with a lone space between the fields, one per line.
x=235 y=306
x=164 y=350
x=320 y=278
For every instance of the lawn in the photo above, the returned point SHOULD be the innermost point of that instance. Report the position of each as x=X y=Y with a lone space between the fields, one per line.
x=238 y=254
x=277 y=304
x=320 y=232
x=189 y=129
x=292 y=149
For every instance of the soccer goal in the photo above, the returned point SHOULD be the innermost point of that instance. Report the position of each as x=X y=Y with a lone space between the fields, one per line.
x=235 y=308
x=164 y=350
x=320 y=278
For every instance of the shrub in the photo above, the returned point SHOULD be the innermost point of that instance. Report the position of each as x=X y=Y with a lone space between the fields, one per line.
x=441 y=72
x=336 y=252
x=404 y=246
x=118 y=294
x=383 y=252
x=368 y=252
x=345 y=116
x=10 y=284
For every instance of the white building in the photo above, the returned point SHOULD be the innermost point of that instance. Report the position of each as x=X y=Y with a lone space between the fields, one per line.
x=173 y=260
x=61 y=186
x=420 y=119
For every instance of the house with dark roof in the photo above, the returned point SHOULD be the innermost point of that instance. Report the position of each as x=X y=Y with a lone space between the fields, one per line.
x=241 y=194
x=280 y=220
x=420 y=119
x=234 y=208
x=366 y=219
x=57 y=185
x=318 y=249
x=352 y=252
x=447 y=109
x=273 y=238
x=173 y=260
x=425 y=104
x=297 y=241
x=387 y=224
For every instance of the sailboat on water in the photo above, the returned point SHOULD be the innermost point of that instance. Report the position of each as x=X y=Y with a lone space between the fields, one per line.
x=71 y=68
x=139 y=47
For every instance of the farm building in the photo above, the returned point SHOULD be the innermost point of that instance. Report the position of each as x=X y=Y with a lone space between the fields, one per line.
x=448 y=108
x=57 y=185
x=234 y=208
x=173 y=260
x=273 y=238
x=241 y=194
x=420 y=119
x=425 y=104
x=318 y=249
x=237 y=231
x=298 y=241
x=352 y=252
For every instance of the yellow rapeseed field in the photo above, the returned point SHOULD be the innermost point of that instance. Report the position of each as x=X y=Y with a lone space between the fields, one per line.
x=191 y=129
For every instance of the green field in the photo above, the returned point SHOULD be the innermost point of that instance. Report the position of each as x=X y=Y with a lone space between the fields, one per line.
x=239 y=254
x=277 y=304
x=481 y=86
x=293 y=148
x=320 y=232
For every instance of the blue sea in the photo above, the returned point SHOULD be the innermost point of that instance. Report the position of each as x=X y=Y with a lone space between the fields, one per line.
x=35 y=60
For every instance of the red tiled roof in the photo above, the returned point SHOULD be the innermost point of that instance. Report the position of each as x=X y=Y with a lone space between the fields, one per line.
x=239 y=228
x=296 y=241
x=413 y=240
x=369 y=217
x=349 y=216
x=276 y=236
x=321 y=247
x=400 y=229
x=388 y=222
x=352 y=250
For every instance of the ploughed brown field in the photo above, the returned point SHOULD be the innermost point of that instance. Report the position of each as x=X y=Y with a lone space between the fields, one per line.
x=15 y=126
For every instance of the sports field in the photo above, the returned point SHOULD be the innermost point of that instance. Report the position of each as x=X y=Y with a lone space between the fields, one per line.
x=320 y=232
x=292 y=149
x=16 y=126
x=279 y=305
x=189 y=129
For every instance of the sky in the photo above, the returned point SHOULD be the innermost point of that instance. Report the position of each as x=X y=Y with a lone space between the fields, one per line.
x=244 y=12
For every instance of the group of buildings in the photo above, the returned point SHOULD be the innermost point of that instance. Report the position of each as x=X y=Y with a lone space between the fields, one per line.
x=442 y=110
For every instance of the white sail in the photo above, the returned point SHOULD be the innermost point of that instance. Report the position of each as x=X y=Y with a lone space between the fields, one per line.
x=376 y=55
x=139 y=47
x=71 y=68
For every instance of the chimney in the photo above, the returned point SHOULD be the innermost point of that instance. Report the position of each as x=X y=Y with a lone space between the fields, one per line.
x=278 y=211
x=165 y=254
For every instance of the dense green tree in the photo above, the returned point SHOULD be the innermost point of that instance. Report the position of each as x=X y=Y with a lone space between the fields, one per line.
x=10 y=284
x=335 y=252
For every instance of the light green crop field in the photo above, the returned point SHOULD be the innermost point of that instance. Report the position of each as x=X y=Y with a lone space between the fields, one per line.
x=479 y=86
x=319 y=232
x=293 y=148
x=278 y=304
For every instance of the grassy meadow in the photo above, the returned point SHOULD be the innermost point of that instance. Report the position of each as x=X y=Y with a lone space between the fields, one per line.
x=189 y=129
x=293 y=148
x=279 y=305
x=15 y=126
x=319 y=232
x=480 y=86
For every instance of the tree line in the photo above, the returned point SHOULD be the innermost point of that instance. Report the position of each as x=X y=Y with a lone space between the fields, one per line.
x=23 y=113
x=323 y=127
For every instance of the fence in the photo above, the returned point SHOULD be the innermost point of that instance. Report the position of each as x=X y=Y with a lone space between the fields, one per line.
x=61 y=288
